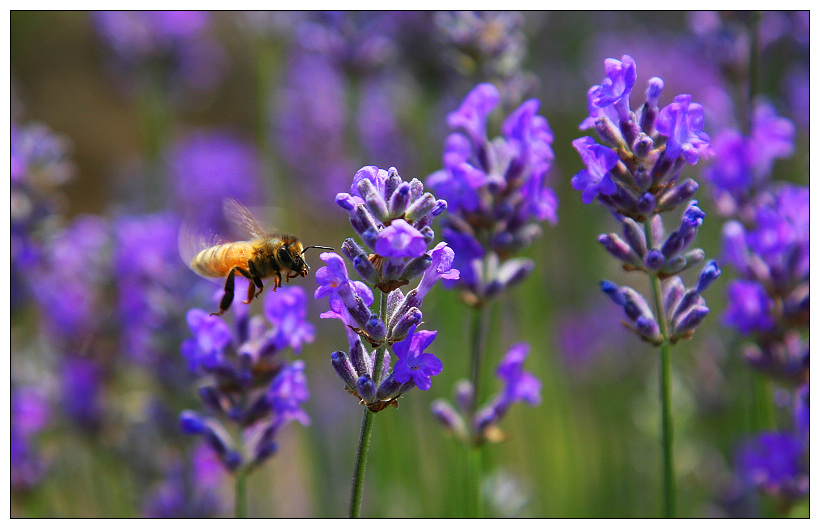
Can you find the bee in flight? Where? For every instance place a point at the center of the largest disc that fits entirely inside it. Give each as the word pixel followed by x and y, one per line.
pixel 265 255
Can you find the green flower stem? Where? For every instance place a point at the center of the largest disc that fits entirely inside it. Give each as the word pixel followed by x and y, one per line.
pixel 474 474
pixel 241 505
pixel 669 493
pixel 366 428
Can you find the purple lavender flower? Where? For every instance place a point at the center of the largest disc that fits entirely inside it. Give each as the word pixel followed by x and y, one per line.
pixel 743 164
pixel 190 490
pixel 393 219
pixel 774 463
pixel 596 177
pixel 518 386
pixel 749 308
pixel 81 399
pixel 253 386
pixel 29 416
pixel 496 191
pixel 414 364
pixel 206 167
pixel 169 47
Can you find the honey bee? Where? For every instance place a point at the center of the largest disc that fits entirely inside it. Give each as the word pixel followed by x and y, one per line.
pixel 266 255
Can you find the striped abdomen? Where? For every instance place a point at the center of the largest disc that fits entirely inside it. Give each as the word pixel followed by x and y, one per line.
pixel 217 261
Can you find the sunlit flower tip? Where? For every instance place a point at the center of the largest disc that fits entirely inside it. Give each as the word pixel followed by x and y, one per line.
pixel 619 249
pixel 413 363
pixel 344 368
pixel 191 422
pixel 708 275
pixel 366 389
pixel 735 248
pixel 448 417
pixel 375 328
pixel 399 240
pixel 653 91
pixel 423 206
pixel 613 291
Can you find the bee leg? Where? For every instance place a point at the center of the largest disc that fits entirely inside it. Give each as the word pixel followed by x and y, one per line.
pixel 277 281
pixel 227 299
pixel 289 276
pixel 254 277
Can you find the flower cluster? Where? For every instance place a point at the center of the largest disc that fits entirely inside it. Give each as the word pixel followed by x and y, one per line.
pixel 770 301
pixel 495 190
pixel 743 164
pixel 171 48
pixel 393 218
pixel 636 175
pixel 251 385
pixel 487 45
pixel 28 418
pixel 519 386
pixel 39 166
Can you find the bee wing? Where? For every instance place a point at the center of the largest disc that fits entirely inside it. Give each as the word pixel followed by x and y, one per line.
pixel 191 241
pixel 242 219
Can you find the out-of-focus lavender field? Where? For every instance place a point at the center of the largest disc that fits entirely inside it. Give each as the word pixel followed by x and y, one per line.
pixel 610 318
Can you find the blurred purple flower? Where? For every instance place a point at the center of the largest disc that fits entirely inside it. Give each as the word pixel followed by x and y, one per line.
pixel 774 462
pixel 81 392
pixel 168 47
pixel 29 415
pixel 519 385
pixel 208 166
pixel 190 490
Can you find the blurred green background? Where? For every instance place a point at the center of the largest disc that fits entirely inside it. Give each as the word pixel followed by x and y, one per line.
pixel 590 449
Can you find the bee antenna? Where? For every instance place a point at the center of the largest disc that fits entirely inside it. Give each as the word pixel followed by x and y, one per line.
pixel 319 247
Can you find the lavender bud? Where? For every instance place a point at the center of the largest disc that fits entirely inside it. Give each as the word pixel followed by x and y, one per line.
pixel 694 258
pixel 452 421
pixel 416 267
pixel 689 299
pixel 655 260
pixel 687 321
pixel 677 195
pixel 410 318
pixel 360 359
pixel 344 368
pixel 390 388
pixel 648 327
pixel 618 248
pixel 416 189
pixel 392 183
pixel 264 451
pixel 675 290
pixel 400 200
pixel 210 397
pixel 514 271
pixel 656 230
pixel 464 395
pixel 642 147
pixel 191 422
pixel 365 268
pixel 375 328
pixel 427 233
pixel 345 201
pixel 672 245
pixel 366 388
pixel 362 221
pixel 653 91
pixel 440 207
pixel 484 418
pixel 377 205
pixel 646 203
pixel 614 292
pixel 635 236
pixel 351 249
pixel 420 208
pixel 394 301
pixel 636 305
pixel 365 187
pixel 609 132
pixel 642 178
pixel 674 265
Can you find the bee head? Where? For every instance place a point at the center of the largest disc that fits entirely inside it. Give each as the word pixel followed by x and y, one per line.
pixel 290 256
